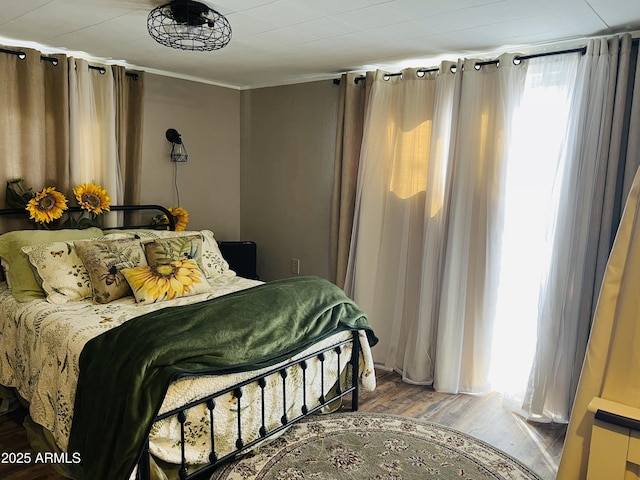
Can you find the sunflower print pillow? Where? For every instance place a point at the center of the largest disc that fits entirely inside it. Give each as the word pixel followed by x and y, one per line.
pixel 105 260
pixel 163 250
pixel 166 280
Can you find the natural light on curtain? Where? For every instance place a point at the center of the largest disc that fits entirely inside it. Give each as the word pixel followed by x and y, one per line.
pixel 411 164
pixel 537 154
pixel 93 151
pixel 411 158
pixel 401 191
pixel 471 195
pixel 467 305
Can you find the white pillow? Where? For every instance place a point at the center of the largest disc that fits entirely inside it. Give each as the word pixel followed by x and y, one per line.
pixel 62 272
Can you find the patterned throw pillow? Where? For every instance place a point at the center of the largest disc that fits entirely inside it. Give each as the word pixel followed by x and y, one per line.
pixel 166 280
pixel 212 260
pixel 20 275
pixel 63 275
pixel 64 278
pixel 213 263
pixel 176 248
pixel 105 260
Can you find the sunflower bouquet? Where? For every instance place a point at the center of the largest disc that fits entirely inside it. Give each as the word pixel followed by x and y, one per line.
pixel 180 219
pixel 49 204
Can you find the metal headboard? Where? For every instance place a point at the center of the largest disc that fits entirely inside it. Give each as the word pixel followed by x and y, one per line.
pixel 20 212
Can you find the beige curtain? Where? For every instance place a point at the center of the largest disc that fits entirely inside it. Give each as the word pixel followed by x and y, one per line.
pixel 354 92
pixel 610 367
pixel 618 163
pixel 129 94
pixel 34 120
pixel 64 123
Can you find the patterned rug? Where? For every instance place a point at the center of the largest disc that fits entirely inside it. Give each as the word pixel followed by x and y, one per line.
pixel 351 446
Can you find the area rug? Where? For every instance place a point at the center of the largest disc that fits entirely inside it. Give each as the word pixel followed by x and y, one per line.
pixel 370 446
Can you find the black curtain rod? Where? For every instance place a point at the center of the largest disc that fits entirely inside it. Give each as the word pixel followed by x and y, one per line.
pixel 54 61
pixel 336 81
pixel 397 74
pixel 517 58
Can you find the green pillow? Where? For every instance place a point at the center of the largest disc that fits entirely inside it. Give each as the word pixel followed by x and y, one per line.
pixel 24 284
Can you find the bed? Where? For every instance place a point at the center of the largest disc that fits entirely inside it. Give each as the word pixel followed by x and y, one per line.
pixel 213 365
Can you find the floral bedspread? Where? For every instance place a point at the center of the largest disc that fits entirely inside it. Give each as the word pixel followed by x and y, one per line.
pixel 41 343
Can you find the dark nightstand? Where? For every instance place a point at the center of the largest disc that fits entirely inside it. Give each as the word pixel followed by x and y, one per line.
pixel 241 257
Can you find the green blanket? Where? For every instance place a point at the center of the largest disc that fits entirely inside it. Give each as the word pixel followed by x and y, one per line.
pixel 125 372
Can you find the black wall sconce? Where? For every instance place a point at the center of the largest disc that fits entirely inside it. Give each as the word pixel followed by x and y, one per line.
pixel 178 151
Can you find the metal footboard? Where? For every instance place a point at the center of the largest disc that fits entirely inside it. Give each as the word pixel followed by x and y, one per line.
pixel 264 432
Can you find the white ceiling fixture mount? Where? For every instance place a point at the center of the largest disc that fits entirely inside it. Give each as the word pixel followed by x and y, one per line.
pixel 189 25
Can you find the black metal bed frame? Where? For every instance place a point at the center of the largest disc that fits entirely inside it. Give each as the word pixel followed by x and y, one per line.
pixel 144 463
pixel 144 469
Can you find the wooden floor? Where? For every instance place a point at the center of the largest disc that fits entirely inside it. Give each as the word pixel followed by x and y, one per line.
pixel 536 445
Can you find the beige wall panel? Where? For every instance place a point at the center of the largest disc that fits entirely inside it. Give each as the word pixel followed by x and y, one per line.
pixel 208 118
pixel 288 143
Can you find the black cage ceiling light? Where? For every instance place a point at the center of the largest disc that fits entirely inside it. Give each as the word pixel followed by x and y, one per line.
pixel 189 25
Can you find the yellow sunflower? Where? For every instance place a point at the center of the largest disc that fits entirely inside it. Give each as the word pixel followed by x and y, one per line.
pixel 47 205
pixel 92 198
pixel 180 217
pixel 164 281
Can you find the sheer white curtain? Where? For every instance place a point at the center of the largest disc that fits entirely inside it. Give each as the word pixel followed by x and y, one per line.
pixel 549 393
pixel 475 192
pixel 397 242
pixel 93 149
pixel 426 305
pixel 539 204
pixel 489 94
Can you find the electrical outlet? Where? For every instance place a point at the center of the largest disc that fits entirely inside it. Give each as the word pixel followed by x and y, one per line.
pixel 295 266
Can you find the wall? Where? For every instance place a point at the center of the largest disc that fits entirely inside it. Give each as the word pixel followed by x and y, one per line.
pixel 208 118
pixel 287 157
pixel 260 165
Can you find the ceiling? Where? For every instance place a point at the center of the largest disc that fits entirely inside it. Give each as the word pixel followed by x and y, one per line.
pixel 288 41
